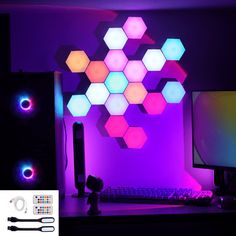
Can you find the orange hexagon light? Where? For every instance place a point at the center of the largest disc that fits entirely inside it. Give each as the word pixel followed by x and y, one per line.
pixel 77 61
pixel 135 93
pixel 97 71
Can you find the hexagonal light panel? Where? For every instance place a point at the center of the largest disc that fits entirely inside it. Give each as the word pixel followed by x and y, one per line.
pixel 115 38
pixel 135 71
pixel 77 61
pixel 79 105
pixel 97 71
pixel 173 49
pixel 116 60
pixel 173 92
pixel 135 137
pixel 135 93
pixel 97 93
pixel 154 103
pixel 116 82
pixel 116 126
pixel 134 27
pixel 116 104
pixel 154 60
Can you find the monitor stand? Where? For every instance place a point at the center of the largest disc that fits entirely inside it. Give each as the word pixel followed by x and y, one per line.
pixel 219 181
pixel 225 182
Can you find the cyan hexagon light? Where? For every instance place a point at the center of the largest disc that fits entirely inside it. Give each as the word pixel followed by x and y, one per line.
pixel 78 105
pixel 116 82
pixel 173 92
pixel 173 49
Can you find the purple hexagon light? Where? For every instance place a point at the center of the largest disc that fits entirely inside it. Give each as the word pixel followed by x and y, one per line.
pixel 135 71
pixel 116 60
pixel 134 27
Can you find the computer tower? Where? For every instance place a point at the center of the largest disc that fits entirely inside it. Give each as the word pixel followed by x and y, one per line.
pixel 5 53
pixel 31 132
pixel 79 158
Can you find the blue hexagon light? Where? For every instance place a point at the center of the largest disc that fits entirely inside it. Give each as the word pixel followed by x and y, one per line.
pixel 78 105
pixel 116 82
pixel 154 60
pixel 173 92
pixel 173 49
pixel 115 38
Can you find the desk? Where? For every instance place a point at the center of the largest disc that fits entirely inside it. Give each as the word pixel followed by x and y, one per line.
pixel 130 219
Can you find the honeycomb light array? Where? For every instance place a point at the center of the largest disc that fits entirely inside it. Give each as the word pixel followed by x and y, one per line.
pixel 116 81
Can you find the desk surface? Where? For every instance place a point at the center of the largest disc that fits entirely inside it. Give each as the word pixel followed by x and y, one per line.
pixel 145 219
pixel 77 207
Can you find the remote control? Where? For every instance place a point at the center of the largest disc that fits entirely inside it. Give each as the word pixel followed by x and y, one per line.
pixel 43 199
pixel 42 210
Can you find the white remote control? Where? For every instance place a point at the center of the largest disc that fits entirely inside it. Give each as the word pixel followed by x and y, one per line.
pixel 43 199
pixel 43 210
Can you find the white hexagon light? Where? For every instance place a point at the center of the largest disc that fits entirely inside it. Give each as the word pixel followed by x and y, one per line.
pixel 79 105
pixel 97 93
pixel 115 38
pixel 116 104
pixel 154 60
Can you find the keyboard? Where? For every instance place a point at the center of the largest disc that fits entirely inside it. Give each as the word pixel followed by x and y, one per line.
pixel 157 195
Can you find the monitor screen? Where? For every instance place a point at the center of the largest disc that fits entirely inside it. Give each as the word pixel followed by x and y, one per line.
pixel 214 129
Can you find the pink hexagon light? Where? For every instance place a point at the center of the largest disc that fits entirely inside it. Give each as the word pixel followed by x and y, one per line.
pixel 116 126
pixel 154 103
pixel 97 71
pixel 135 71
pixel 135 93
pixel 134 27
pixel 116 60
pixel 135 137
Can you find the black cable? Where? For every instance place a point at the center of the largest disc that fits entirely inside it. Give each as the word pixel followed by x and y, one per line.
pixel 42 229
pixel 41 220
pixel 65 132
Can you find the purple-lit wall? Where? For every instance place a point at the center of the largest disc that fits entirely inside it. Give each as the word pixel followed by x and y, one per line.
pixel 40 39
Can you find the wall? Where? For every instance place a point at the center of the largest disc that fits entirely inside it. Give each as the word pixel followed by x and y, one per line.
pixel 41 39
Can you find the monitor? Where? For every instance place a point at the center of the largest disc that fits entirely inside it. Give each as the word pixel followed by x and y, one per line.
pixel 214 129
